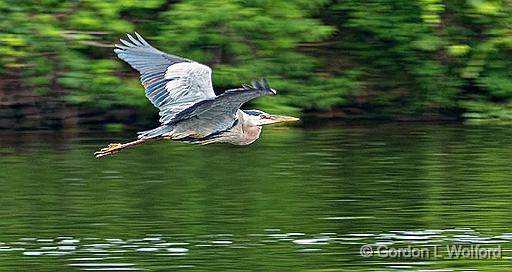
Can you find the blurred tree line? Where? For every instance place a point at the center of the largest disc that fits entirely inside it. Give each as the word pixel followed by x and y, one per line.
pixel 379 57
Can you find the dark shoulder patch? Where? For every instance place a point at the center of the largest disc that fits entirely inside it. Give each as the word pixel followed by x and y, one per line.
pixel 253 112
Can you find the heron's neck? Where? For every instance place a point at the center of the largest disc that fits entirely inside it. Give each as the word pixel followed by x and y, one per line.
pixel 244 132
pixel 247 120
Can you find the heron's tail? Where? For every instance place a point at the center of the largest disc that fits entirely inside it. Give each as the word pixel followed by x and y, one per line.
pixel 114 148
pixel 154 133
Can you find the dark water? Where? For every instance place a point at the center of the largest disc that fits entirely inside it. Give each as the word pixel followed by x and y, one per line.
pixel 297 200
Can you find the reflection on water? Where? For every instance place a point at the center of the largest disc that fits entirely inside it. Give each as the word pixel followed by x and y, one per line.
pixel 298 199
pixel 113 253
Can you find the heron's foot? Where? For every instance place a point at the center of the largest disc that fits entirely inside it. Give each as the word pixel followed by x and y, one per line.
pixel 110 149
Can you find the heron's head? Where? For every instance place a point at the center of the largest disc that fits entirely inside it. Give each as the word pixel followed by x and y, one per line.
pixel 262 118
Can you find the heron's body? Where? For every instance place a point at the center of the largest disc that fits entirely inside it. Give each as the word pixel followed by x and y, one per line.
pixel 244 131
pixel 189 109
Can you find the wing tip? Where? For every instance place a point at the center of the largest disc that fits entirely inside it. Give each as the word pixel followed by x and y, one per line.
pixel 137 42
pixel 262 85
pixel 133 42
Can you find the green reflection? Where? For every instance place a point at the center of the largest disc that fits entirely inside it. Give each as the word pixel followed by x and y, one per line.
pixel 233 206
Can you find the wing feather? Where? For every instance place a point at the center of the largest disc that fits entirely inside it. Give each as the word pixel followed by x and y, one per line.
pixel 171 83
pixel 219 113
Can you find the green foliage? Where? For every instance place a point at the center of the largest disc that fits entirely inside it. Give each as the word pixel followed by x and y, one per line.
pixel 429 54
pixel 397 46
pixel 65 47
pixel 397 57
pixel 252 39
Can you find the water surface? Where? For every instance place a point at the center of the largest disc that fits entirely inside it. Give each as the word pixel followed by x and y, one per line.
pixel 299 199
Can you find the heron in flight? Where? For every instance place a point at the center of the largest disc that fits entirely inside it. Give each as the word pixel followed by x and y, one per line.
pixel 189 110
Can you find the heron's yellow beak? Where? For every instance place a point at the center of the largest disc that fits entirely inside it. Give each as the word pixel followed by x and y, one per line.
pixel 281 118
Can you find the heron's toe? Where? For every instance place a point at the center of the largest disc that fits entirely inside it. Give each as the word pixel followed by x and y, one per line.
pixel 111 147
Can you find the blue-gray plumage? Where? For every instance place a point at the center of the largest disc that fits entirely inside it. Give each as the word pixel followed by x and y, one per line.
pixel 189 110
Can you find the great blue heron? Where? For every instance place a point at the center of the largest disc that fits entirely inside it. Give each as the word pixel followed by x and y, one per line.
pixel 189 109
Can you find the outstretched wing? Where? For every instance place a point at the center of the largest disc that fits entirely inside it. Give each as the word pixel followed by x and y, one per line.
pixel 231 100
pixel 219 113
pixel 172 83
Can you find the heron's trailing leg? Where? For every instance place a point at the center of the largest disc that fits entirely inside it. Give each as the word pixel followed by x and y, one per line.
pixel 114 148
